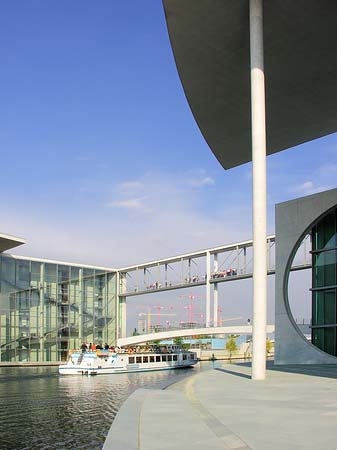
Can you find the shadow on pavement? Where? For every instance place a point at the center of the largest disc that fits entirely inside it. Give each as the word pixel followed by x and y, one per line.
pixel 232 372
pixel 317 370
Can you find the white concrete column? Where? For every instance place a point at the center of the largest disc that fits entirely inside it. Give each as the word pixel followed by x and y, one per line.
pixel 215 303
pixel 208 289
pixel 259 190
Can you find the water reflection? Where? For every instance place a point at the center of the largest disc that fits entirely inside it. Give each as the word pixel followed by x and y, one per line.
pixel 41 410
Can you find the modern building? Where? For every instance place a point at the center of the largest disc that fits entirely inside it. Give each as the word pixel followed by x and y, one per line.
pixel 315 215
pixel 260 77
pixel 48 307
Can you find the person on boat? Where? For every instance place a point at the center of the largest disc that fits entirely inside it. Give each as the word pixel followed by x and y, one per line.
pixel 106 347
pixel 93 347
pixel 84 347
pixel 90 347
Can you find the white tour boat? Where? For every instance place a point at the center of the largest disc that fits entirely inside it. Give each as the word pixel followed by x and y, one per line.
pixel 107 362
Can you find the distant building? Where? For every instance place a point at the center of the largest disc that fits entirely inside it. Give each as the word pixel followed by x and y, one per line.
pixel 48 308
pixel 142 326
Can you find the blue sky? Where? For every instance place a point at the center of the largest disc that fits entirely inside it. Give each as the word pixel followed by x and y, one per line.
pixel 102 162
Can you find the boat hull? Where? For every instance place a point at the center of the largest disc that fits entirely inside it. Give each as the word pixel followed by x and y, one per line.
pixel 90 363
pixel 108 371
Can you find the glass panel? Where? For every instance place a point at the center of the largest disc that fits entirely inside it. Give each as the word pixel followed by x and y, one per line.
pixel 22 274
pixel 325 232
pixel 138 359
pixel 329 340
pixel 318 337
pixel 131 359
pixel 324 269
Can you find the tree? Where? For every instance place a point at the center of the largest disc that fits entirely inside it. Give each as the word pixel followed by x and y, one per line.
pixel 269 346
pixel 231 345
pixel 178 341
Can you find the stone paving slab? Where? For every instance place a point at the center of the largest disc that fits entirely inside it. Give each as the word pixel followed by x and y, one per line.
pixel 223 409
pixel 287 411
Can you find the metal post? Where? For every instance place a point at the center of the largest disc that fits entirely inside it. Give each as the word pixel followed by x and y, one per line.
pixel 80 302
pixel 122 304
pixel 41 315
pixel 118 334
pixel 237 261
pixel 208 289
pixel 215 305
pixel 259 190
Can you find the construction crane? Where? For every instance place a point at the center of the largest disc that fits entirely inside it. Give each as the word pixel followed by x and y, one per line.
pixel 221 321
pixel 190 306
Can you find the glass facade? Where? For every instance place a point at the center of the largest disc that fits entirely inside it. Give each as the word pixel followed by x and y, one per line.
pixel 324 278
pixel 46 309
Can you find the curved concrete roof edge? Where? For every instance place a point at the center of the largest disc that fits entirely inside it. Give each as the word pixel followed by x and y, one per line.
pixel 210 43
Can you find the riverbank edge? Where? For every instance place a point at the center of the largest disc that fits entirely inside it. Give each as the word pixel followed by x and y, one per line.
pixel 30 364
pixel 124 433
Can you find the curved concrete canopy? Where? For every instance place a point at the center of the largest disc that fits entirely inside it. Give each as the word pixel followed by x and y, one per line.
pixel 210 41
pixel 7 242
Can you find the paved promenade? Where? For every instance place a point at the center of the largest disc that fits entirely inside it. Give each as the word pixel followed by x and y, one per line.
pixel 295 408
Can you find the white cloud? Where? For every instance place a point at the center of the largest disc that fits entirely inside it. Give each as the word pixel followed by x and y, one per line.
pixel 166 220
pixel 131 203
pixel 131 186
pixel 308 188
pixel 205 181
pixel 328 169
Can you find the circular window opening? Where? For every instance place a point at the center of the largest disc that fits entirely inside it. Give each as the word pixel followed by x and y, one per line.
pixel 312 293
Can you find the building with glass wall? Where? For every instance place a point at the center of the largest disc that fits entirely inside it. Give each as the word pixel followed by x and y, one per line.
pixel 324 319
pixel 316 216
pixel 48 308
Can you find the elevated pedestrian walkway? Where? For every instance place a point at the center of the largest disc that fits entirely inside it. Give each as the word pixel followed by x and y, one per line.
pixel 295 408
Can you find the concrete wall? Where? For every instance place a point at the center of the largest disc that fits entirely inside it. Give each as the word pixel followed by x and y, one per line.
pixel 293 220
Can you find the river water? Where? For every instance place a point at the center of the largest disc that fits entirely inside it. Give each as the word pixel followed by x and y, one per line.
pixel 41 410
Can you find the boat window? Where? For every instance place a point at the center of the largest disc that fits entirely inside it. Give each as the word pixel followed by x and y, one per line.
pixel 131 359
pixel 151 358
pixel 169 357
pixel 164 358
pixel 184 356
pixel 175 357
pixel 138 359
pixel 145 359
pixel 157 358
